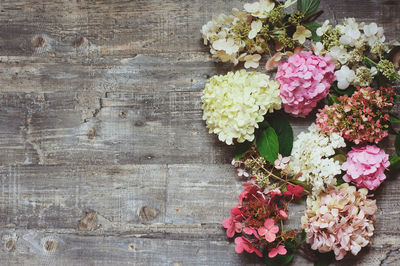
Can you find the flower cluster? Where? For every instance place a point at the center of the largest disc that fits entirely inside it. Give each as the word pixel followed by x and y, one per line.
pixel 311 156
pixel 256 217
pixel 305 80
pixel 363 117
pixel 233 104
pixel 365 167
pixel 261 27
pixel 350 44
pixel 346 61
pixel 341 220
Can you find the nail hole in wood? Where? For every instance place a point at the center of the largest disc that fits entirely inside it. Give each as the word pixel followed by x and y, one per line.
pixel 123 114
pixel 132 247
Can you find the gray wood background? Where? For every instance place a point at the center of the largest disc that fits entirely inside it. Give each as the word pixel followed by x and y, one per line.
pixel 104 157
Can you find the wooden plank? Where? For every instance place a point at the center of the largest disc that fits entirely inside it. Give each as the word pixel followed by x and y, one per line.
pixel 127 128
pixel 60 196
pixel 40 247
pixel 105 159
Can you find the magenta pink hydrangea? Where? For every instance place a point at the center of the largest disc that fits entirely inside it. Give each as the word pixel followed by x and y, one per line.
pixel 305 79
pixel 365 167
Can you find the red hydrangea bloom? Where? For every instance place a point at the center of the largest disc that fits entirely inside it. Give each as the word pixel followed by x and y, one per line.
pixel 363 117
pixel 243 243
pixel 255 217
pixel 294 191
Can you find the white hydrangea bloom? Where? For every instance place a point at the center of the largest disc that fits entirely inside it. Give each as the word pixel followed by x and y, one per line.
pixel 318 48
pixel 260 9
pixel 321 30
pixel 340 54
pixel 252 61
pixel 310 156
pixel 233 104
pixel 345 76
pixel 210 29
pixel 227 45
pixel 255 28
pixel 351 32
pixel 373 34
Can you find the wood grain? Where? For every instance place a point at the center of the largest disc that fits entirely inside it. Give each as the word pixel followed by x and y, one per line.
pixel 105 159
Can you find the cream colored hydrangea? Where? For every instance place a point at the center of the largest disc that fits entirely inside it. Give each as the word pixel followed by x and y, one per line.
pixel 311 156
pixel 233 104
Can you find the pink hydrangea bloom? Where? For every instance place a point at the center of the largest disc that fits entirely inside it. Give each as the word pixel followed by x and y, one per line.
pixel 243 243
pixel 281 250
pixel 341 219
pixel 305 80
pixel 232 226
pixel 269 230
pixel 366 167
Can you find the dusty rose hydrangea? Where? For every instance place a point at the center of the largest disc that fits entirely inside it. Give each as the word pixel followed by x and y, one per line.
pixel 365 167
pixel 305 79
pixel 363 117
pixel 340 219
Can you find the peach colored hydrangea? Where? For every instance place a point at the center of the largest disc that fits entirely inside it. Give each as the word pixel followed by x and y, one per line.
pixel 305 80
pixel 366 167
pixel 340 219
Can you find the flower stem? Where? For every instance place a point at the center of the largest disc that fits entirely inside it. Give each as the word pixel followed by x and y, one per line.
pixel 275 176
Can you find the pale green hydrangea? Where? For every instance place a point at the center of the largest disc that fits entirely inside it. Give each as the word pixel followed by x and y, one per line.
pixel 233 104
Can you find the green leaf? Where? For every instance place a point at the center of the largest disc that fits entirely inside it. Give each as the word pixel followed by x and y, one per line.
pixel 303 236
pixel 268 144
pixel 393 118
pixel 263 124
pixel 313 26
pixel 339 181
pixel 284 132
pixel 308 7
pixel 368 62
pixel 341 158
pixel 349 91
pixel 332 99
pixel 394 162
pixel 241 149
pixel 397 144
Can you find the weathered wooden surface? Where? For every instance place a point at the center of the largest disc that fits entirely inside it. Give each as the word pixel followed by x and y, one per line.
pixel 104 157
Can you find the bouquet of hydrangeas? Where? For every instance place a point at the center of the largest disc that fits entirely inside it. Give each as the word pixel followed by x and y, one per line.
pixel 337 164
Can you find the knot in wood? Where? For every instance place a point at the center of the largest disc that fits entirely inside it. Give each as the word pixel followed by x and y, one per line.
pixel 79 41
pixel 10 244
pixel 89 222
pixel 91 133
pixel 50 245
pixel 38 42
pixel 147 213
